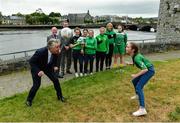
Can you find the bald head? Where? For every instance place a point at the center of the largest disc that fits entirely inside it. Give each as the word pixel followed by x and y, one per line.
pixel 54 30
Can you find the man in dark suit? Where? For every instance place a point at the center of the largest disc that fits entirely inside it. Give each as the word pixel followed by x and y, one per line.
pixel 44 62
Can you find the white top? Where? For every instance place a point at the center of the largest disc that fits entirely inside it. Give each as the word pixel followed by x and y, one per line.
pixel 49 56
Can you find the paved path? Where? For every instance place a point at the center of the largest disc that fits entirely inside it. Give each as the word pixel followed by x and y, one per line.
pixel 18 82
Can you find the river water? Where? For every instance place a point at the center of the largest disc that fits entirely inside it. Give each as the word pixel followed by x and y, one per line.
pixel 20 40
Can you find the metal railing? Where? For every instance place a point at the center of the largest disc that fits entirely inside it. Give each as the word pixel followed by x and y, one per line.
pixel 143 40
pixel 14 55
pixel 25 53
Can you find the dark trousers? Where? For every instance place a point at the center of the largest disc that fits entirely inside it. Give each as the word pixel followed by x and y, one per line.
pixel 88 58
pixel 139 83
pixel 109 55
pixel 100 56
pixel 37 83
pixel 65 58
pixel 77 56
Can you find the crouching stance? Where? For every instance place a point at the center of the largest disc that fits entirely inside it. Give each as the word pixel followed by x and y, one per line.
pixel 141 78
pixel 44 62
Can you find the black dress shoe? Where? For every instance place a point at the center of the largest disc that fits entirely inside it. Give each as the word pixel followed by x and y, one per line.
pixel 28 103
pixel 62 99
pixel 69 72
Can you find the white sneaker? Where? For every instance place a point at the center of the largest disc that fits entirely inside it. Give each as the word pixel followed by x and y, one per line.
pixel 140 112
pixel 134 97
pixel 85 74
pixel 91 73
pixel 81 74
pixel 76 75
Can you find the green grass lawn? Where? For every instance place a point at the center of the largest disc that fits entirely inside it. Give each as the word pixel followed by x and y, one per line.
pixel 104 96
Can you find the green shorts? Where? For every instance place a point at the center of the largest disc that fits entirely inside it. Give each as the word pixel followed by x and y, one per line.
pixel 120 49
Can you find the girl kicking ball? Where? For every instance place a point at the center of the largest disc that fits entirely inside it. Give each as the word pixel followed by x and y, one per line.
pixel 141 78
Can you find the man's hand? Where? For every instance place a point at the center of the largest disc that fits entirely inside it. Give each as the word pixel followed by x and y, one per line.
pixel 133 76
pixel 66 47
pixel 56 68
pixel 41 73
pixel 82 51
pixel 59 51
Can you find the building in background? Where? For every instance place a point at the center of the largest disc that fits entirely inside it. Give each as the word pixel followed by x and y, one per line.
pixel 13 20
pixel 80 18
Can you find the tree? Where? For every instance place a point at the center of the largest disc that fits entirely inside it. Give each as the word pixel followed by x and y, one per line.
pixel 29 19
pixel 139 20
pixel 0 18
pixel 0 14
pixel 37 18
pixel 53 14
pixel 18 14
pixel 42 18
pixel 151 20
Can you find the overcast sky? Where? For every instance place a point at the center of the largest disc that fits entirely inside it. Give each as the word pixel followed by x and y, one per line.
pixel 132 8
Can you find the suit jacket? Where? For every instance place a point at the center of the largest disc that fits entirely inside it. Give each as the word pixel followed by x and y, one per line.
pixel 39 61
pixel 52 36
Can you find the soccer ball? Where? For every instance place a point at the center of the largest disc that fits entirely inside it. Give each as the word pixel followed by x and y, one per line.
pixel 66 32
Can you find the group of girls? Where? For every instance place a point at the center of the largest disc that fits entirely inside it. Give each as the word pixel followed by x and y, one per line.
pixel 86 47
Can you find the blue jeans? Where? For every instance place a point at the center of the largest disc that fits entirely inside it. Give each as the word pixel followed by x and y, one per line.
pixel 139 83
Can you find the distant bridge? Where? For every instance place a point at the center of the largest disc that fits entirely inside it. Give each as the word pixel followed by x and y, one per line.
pixel 141 27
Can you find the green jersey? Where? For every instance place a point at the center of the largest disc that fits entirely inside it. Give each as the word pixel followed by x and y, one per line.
pixel 111 36
pixel 120 40
pixel 102 43
pixel 90 45
pixel 75 41
pixel 141 62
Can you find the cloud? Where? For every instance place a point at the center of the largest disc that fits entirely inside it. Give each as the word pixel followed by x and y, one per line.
pixel 98 7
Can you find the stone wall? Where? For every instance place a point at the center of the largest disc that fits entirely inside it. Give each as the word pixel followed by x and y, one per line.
pixel 158 47
pixel 168 28
pixel 14 65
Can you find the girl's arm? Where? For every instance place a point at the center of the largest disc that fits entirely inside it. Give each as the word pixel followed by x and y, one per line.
pixel 73 45
pixel 140 73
